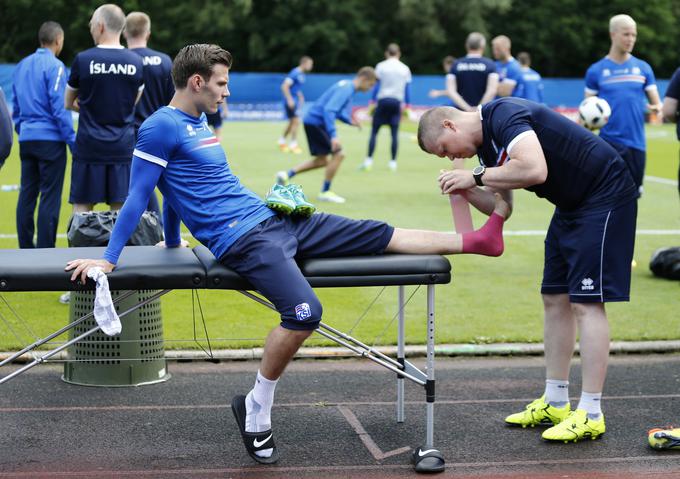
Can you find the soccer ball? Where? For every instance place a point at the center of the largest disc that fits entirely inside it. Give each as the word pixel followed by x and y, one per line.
pixel 594 112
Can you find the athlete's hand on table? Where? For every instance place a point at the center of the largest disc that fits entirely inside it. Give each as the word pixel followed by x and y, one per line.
pixel 80 267
pixel 452 180
pixel 182 244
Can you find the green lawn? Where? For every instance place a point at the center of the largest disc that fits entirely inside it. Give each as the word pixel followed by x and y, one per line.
pixel 489 300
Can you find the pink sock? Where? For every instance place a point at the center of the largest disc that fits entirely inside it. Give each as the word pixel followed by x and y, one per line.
pixel 487 240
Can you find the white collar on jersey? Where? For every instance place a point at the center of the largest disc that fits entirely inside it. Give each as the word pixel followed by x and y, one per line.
pixel 111 47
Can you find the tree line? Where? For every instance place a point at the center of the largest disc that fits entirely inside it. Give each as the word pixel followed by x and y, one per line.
pixel 563 37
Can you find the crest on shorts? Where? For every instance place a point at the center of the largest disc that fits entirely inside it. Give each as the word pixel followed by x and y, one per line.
pixel 303 311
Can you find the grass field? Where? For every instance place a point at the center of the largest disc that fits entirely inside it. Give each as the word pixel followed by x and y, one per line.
pixel 489 300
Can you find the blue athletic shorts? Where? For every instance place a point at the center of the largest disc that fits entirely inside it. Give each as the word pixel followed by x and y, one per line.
pixel 99 182
pixel 589 254
pixel 266 256
pixel 635 160
pixel 290 112
pixel 387 112
pixel 318 139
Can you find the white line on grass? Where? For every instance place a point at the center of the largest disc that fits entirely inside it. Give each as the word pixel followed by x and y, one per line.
pixel 663 181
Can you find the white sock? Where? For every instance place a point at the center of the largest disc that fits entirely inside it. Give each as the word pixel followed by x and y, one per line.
pixel 556 392
pixel 393 165
pixel 368 161
pixel 282 140
pixel 259 403
pixel 590 402
pixel 293 144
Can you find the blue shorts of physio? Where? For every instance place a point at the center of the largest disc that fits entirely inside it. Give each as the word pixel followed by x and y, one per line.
pixel 318 139
pixel 93 183
pixel 266 256
pixel 588 254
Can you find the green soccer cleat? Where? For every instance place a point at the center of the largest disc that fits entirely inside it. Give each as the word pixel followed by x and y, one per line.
pixel 664 438
pixel 538 413
pixel 280 200
pixel 302 206
pixel 575 427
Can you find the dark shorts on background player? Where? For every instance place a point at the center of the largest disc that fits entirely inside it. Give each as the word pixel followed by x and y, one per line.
pixel 635 160
pixel 588 254
pixel 99 182
pixel 290 112
pixel 266 256
pixel 318 139
pixel 387 112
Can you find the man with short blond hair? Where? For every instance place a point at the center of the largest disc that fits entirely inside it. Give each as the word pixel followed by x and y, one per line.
pixel 626 82
pixel 105 83
pixel 509 72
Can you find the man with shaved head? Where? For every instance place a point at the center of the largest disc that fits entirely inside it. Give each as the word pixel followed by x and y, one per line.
pixel 509 70
pixel 588 247
pixel 105 83
pixel 627 83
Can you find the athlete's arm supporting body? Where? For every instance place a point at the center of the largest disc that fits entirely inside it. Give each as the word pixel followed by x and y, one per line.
pixel 143 179
pixel 526 167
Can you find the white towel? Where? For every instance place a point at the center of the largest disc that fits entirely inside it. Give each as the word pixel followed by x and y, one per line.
pixel 104 312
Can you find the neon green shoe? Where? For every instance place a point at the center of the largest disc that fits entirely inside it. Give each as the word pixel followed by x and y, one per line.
pixel 302 206
pixel 280 200
pixel 576 426
pixel 664 438
pixel 538 413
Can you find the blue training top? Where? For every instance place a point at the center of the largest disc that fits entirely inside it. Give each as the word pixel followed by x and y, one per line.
pixel 531 87
pixel 510 71
pixel 38 106
pixel 108 80
pixel 158 86
pixel 583 170
pixel 297 79
pixel 181 154
pixel 472 73
pixel 336 102
pixel 623 86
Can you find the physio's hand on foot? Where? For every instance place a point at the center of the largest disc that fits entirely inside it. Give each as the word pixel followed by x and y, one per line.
pixel 452 180
pixel 80 267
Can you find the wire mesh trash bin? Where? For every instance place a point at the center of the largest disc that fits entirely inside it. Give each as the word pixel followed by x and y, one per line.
pixel 137 355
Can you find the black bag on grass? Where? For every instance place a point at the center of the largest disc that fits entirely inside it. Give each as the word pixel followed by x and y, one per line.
pixel 94 229
pixel 665 263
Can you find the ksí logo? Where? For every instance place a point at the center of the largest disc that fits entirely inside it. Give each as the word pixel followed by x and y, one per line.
pixel 303 311
pixel 587 284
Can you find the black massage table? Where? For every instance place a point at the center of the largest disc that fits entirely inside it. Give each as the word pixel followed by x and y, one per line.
pixel 148 267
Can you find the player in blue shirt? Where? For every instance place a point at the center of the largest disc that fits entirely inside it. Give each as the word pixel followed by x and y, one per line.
pixel 626 82
pixel 44 128
pixel 293 99
pixel 589 245
pixel 322 137
pixel 531 86
pixel 509 71
pixel 158 87
pixel 472 80
pixel 105 83
pixel 177 151
pixel 670 107
pixel 6 134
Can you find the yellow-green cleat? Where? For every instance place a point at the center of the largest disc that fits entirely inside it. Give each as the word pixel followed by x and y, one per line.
pixel 280 200
pixel 576 427
pixel 302 206
pixel 664 438
pixel 538 413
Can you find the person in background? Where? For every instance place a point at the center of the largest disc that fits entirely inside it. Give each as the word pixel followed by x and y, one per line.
pixel 531 86
pixel 6 134
pixel 447 63
pixel 509 72
pixel 293 99
pixel 670 107
pixel 472 80
pixel 392 92
pixel 45 128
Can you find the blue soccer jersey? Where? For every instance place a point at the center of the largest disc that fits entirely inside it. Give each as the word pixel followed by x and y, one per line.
pixel 472 73
pixel 531 87
pixel 336 102
pixel 296 78
pixel 108 80
pixel 623 86
pixel 197 182
pixel 583 170
pixel 158 87
pixel 510 72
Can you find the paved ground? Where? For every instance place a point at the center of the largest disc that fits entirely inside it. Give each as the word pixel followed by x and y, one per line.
pixel 333 419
